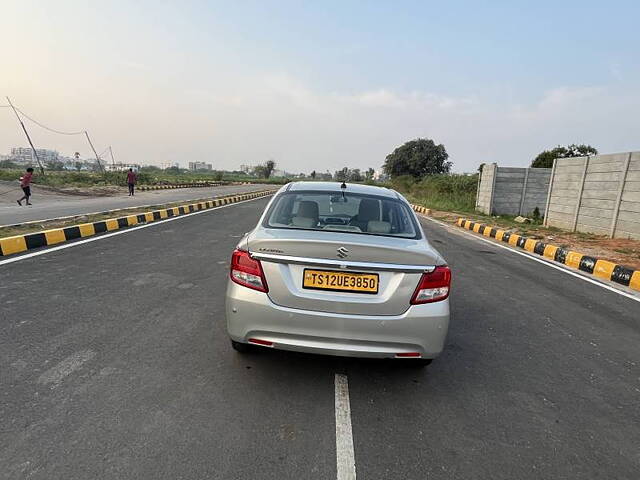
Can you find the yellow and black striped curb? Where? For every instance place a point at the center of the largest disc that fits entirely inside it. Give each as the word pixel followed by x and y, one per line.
pixel 143 188
pixel 22 243
pixel 600 268
pixel 421 209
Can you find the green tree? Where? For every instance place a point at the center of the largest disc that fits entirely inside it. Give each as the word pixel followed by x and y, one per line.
pixel 313 175
pixel 341 175
pixel 418 158
pixel 355 175
pixel 8 164
pixel 269 167
pixel 545 158
pixel 55 165
pixel 259 171
pixel 368 175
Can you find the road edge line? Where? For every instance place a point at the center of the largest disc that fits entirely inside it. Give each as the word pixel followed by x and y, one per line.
pixel 597 267
pixel 543 261
pixel 45 238
pixel 117 232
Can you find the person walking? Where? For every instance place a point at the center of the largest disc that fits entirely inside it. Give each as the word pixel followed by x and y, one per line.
pixel 132 178
pixel 25 183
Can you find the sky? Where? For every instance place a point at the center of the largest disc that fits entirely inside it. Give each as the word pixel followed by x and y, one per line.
pixel 321 85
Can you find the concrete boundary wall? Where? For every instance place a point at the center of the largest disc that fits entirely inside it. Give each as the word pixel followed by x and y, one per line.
pixel 512 190
pixel 598 194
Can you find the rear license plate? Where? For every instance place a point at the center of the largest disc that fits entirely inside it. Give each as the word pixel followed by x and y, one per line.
pixel 340 281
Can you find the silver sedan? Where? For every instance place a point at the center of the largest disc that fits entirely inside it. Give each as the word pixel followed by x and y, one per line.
pixel 339 269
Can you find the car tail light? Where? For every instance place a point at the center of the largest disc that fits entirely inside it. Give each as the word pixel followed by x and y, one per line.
pixel 247 271
pixel 433 287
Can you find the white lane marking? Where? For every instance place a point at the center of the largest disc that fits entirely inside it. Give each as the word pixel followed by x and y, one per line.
pixel 118 232
pixel 345 458
pixel 67 366
pixel 539 260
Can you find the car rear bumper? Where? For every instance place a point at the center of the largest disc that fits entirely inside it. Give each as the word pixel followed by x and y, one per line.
pixel 251 314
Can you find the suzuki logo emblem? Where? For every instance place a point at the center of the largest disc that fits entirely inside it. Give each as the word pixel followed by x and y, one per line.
pixel 342 252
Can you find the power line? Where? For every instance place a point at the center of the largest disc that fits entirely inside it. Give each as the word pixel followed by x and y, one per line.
pixel 48 128
pixel 82 132
pixel 103 152
pixel 24 129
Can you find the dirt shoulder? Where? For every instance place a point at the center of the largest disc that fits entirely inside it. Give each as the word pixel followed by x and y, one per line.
pixel 10 189
pixel 618 250
pixel 89 191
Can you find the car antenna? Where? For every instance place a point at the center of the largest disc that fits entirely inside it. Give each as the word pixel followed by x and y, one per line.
pixel 343 187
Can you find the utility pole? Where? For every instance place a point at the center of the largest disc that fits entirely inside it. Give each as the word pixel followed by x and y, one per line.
pixel 113 160
pixel 24 129
pixel 94 151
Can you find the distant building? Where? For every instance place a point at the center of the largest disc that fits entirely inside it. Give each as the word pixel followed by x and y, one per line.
pixel 24 156
pixel 76 164
pixel 121 167
pixel 200 166
pixel 165 165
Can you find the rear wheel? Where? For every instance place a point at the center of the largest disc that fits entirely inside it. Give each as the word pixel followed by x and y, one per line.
pixel 240 347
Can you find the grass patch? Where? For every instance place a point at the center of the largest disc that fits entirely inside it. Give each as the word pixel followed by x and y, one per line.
pixel 453 193
pixel 153 177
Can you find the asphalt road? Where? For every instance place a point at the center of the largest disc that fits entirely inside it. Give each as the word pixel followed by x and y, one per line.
pixel 115 364
pixel 50 205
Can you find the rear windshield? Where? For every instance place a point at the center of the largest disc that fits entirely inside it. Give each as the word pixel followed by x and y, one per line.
pixel 338 212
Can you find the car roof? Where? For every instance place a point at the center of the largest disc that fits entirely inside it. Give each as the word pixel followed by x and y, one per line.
pixel 335 187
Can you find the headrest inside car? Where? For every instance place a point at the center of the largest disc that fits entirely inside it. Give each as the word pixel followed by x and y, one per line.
pixel 374 226
pixel 304 222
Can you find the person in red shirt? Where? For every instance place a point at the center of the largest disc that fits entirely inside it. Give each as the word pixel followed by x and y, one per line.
pixel 25 183
pixel 132 178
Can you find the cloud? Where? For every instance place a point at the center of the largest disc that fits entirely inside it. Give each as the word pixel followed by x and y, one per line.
pixel 233 120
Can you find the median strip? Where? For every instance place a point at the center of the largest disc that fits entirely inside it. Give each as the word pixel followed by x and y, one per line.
pixel 600 268
pixel 22 243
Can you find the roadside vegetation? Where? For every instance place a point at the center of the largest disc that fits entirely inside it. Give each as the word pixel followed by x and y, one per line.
pixel 450 192
pixel 146 176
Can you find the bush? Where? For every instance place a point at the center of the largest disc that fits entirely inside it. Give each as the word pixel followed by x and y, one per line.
pixel 441 192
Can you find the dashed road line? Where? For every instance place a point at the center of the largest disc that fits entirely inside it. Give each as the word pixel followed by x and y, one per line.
pixel 56 374
pixel 345 458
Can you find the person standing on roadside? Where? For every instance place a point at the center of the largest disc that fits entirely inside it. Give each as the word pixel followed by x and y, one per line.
pixel 132 178
pixel 25 183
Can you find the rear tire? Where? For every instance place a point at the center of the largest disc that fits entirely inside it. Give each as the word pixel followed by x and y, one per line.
pixel 240 347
